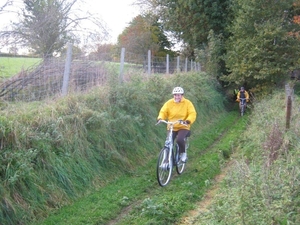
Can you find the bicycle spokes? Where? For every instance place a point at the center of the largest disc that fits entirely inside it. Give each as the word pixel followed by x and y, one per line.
pixel 164 167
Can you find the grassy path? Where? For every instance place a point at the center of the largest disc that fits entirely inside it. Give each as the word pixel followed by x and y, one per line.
pixel 229 136
pixel 136 198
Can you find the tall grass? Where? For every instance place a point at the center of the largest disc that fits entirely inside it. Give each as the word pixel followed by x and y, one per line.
pixel 54 152
pixel 263 185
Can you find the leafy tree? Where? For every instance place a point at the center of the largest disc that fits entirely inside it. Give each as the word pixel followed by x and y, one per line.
pixel 47 25
pixel 261 50
pixel 105 52
pixel 191 20
pixel 48 21
pixel 296 18
pixel 145 34
pixel 211 55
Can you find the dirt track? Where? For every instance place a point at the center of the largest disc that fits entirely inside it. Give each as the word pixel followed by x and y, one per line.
pixel 191 217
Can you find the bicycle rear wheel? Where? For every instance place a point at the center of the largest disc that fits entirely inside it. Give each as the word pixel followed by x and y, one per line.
pixel 179 164
pixel 164 167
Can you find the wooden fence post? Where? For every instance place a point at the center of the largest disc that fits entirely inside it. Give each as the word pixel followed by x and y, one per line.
pixel 288 112
pixel 289 93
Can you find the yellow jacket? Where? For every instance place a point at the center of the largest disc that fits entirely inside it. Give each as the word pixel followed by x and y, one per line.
pixel 183 110
pixel 239 94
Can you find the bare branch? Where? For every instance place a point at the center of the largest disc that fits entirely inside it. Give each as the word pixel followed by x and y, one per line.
pixel 5 5
pixel 46 28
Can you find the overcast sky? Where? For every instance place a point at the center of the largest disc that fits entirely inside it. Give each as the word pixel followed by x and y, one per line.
pixel 115 13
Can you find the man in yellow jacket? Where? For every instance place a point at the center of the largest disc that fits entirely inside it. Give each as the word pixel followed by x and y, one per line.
pixel 244 95
pixel 179 108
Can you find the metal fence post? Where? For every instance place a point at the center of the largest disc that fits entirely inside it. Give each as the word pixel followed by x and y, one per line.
pixel 167 66
pixel 149 62
pixel 122 60
pixel 178 65
pixel 67 70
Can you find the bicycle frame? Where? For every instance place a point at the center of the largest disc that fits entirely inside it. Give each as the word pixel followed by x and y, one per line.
pixel 242 105
pixel 164 170
pixel 169 141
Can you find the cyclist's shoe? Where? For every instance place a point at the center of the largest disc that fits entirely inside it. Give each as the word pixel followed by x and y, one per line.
pixel 183 157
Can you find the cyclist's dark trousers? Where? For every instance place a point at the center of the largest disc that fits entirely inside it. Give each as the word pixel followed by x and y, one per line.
pixel 181 134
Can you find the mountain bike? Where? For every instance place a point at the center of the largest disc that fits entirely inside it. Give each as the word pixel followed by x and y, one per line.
pixel 169 156
pixel 242 106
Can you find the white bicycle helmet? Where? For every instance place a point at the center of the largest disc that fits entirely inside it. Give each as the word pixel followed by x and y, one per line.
pixel 178 90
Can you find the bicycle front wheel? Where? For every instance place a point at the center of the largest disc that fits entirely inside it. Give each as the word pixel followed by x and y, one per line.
pixel 242 110
pixel 164 167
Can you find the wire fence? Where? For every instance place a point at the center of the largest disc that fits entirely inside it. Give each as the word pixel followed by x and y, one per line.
pixel 58 76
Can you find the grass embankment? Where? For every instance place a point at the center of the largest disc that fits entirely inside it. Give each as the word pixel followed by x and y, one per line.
pixel 56 152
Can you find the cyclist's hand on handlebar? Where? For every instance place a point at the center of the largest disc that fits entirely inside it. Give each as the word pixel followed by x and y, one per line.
pixel 185 122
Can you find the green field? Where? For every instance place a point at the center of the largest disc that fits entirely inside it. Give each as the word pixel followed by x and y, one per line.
pixel 9 66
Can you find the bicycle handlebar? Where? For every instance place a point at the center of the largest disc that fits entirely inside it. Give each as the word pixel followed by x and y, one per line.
pixel 171 122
